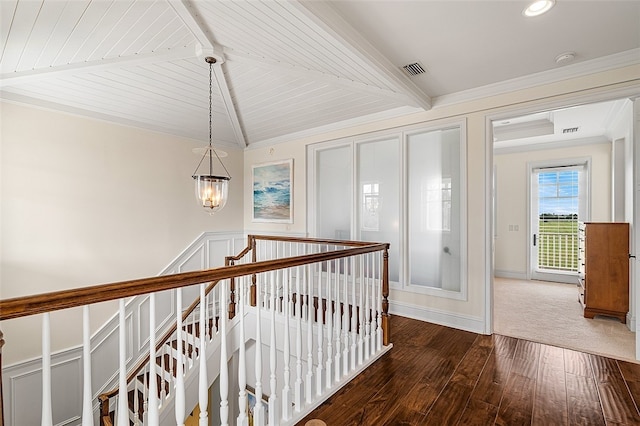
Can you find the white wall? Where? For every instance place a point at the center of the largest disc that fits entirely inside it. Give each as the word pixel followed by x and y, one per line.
pixel 470 313
pixel 87 202
pixel 512 196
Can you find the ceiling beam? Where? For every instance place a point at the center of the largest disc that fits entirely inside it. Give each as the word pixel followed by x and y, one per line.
pixel 188 15
pixel 334 80
pixel 22 77
pixel 327 18
pixel 221 81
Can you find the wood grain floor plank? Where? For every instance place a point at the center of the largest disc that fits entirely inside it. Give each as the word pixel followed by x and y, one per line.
pixel 631 375
pixel 577 363
pixel 526 359
pixel 451 403
pixel 516 406
pixel 617 403
pixel 505 346
pixel 478 413
pixel 437 375
pixel 550 401
pixel 583 402
pixel 493 379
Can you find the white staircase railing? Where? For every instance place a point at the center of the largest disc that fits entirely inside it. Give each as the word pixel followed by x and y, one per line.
pixel 325 299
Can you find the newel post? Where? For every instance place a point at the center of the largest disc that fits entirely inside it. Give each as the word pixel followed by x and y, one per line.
pixel 228 261
pixel 386 332
pixel 254 257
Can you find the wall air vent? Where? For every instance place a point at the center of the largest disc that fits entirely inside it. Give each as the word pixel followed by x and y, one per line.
pixel 570 130
pixel 414 69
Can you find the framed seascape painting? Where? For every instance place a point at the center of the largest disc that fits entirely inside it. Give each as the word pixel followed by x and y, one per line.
pixel 272 192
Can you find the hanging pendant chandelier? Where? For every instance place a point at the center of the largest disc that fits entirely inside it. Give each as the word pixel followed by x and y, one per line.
pixel 212 191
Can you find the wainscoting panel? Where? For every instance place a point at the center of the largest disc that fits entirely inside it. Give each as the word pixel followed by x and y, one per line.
pixel 217 247
pixel 104 357
pixel 22 382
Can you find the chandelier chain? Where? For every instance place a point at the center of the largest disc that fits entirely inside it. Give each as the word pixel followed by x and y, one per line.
pixel 210 125
pixel 211 119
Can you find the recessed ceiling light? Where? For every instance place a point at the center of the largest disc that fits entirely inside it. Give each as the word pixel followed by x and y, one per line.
pixel 538 7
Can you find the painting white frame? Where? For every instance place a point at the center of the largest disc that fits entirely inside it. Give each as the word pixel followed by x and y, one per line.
pixel 272 192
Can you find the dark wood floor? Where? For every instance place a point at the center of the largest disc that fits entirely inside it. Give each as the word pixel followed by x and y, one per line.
pixel 436 375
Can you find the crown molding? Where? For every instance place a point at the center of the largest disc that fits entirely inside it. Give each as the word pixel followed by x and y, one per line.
pixel 605 63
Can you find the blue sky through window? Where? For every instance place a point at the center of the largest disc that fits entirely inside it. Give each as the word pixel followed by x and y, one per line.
pixel 558 192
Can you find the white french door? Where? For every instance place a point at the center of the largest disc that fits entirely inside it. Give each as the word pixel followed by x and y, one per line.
pixel 559 200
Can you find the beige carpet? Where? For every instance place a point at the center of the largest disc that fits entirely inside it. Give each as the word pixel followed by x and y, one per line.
pixel 549 313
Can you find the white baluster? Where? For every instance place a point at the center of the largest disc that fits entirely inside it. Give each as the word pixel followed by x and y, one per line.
pixel 258 409
pixel 163 372
pixel 47 416
pixel 243 420
pixel 286 306
pixel 152 404
pixel 87 409
pixel 361 312
pixel 320 326
pixel 329 320
pixel 379 302
pixel 203 385
pixel 367 323
pixel 374 300
pixel 354 312
pixel 136 402
pixel 308 280
pixel 337 322
pixel 224 368
pixel 145 393
pixel 180 395
pixel 345 319
pixel 273 398
pixel 297 387
pixel 123 409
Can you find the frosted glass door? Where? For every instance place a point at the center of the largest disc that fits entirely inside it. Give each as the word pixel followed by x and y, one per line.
pixel 434 200
pixel 334 191
pixel 378 208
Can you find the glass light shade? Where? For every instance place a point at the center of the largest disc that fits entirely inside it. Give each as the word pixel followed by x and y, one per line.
pixel 212 192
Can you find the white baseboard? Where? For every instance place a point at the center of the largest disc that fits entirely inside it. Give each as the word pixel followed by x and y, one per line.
pixel 510 274
pixel 448 319
pixel 631 322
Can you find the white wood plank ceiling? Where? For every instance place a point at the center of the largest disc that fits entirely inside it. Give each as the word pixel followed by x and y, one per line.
pixel 280 70
pixel 285 69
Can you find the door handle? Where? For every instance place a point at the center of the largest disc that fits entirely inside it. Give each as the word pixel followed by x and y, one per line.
pixel 534 239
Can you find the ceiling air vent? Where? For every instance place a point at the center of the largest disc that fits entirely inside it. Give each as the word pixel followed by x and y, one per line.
pixel 414 69
pixel 570 130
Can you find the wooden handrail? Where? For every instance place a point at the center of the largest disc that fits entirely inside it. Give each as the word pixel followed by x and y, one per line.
pixel 244 251
pixel 53 301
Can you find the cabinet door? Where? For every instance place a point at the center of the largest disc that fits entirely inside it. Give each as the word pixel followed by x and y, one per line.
pixel 607 266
